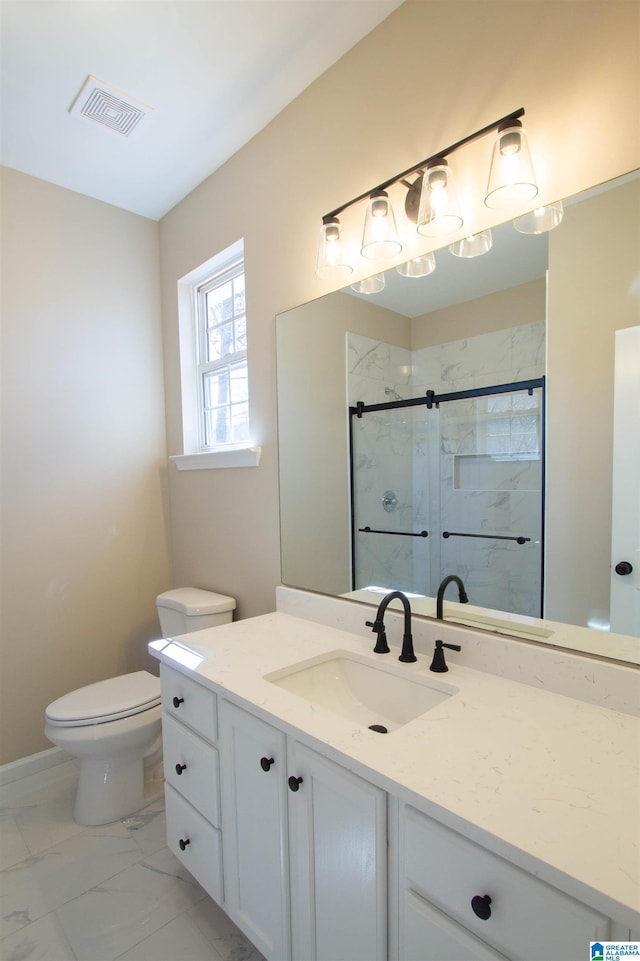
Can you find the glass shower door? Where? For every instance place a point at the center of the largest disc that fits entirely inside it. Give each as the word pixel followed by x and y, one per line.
pixel 389 510
pixel 489 499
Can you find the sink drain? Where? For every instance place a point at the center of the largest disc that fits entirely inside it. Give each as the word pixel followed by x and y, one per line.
pixel 378 728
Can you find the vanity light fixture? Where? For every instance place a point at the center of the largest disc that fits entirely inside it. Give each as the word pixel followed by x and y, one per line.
pixel 511 177
pixel 439 208
pixel 473 246
pixel 330 261
pixel 431 202
pixel 380 237
pixel 418 266
pixel 370 285
pixel 540 220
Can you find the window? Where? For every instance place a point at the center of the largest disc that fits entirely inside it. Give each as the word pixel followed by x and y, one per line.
pixel 222 360
pixel 213 364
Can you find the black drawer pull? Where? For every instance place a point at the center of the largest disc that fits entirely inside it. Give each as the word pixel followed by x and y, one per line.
pixel 480 905
pixel 294 783
pixel 177 701
pixel 266 762
pixel 182 844
pixel 180 768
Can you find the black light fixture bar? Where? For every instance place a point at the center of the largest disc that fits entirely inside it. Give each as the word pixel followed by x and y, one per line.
pixel 420 167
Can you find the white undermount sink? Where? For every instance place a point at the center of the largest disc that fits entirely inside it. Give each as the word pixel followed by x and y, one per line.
pixel 362 691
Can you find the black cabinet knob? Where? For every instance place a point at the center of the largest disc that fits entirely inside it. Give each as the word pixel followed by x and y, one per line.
pixel 182 844
pixel 480 905
pixel 294 783
pixel 180 768
pixel 177 701
pixel 266 762
pixel 623 567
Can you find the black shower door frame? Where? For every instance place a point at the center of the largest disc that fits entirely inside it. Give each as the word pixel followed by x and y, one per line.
pixel 430 400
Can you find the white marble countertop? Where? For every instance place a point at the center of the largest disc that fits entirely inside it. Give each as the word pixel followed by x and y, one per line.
pixel 549 782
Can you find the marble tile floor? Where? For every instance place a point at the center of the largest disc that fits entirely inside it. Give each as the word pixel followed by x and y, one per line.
pixel 72 893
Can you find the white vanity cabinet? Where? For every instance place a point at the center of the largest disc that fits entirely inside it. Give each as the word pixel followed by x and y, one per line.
pixel 314 862
pixel 305 847
pixel 192 780
pixel 460 902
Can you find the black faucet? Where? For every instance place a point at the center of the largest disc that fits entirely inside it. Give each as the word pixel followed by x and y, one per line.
pixel 462 594
pixel 377 627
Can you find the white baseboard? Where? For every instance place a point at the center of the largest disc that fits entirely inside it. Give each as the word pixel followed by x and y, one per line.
pixel 33 764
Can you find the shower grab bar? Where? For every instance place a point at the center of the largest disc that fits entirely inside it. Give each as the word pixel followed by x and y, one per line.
pixel 372 530
pixel 494 537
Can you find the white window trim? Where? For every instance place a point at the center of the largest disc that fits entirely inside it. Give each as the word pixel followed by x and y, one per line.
pixel 193 457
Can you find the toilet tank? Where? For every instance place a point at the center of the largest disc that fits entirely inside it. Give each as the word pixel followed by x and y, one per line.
pixel 188 609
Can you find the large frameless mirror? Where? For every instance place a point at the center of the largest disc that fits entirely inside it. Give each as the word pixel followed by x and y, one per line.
pixel 463 422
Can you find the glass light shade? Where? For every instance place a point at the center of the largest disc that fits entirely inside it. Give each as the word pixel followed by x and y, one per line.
pixel 380 236
pixel 473 246
pixel 330 261
pixel 540 220
pixel 439 209
pixel 512 181
pixel 370 285
pixel 418 266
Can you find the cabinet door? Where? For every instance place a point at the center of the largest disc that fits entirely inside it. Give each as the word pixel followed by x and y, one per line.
pixel 337 841
pixel 254 829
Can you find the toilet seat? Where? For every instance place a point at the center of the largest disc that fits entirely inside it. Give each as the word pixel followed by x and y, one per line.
pixel 109 700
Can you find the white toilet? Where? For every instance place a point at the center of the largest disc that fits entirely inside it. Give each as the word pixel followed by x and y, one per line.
pixel 114 727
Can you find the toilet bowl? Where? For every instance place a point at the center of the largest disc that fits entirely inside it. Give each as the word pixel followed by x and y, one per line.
pixel 114 727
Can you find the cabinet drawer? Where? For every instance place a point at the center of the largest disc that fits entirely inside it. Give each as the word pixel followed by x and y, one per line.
pixel 198 763
pixel 430 935
pixel 202 855
pixel 529 919
pixel 189 702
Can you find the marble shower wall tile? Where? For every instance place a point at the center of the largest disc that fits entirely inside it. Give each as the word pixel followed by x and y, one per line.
pixel 372 366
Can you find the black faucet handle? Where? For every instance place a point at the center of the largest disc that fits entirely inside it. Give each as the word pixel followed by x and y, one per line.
pixel 377 627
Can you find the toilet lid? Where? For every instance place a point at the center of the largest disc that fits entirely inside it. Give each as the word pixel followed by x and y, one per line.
pixel 107 700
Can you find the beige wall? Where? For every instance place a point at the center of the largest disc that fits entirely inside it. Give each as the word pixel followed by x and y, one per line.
pixel 314 466
pixel 593 291
pixel 84 547
pixel 524 304
pixel 430 74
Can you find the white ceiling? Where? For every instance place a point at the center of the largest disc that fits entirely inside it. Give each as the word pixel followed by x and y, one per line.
pixel 215 73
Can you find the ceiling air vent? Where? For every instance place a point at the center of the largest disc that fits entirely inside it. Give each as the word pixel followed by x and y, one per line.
pixel 99 103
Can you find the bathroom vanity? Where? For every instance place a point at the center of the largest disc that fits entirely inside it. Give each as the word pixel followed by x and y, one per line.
pixel 494 820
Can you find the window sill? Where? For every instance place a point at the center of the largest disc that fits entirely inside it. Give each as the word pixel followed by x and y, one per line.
pixel 216 459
